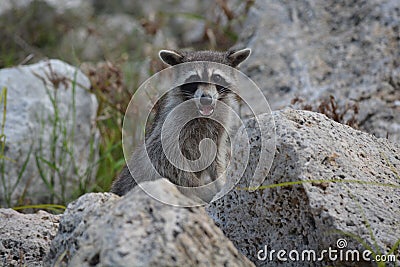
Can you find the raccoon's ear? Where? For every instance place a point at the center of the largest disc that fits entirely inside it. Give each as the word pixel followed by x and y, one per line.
pixel 237 57
pixel 170 57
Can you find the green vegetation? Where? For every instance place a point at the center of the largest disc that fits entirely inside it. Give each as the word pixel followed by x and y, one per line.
pixel 7 187
pixel 62 158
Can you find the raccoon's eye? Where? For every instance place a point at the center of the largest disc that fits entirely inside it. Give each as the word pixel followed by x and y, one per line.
pixel 216 78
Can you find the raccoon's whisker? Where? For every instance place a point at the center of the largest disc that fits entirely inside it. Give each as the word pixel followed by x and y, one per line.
pixel 224 90
pixel 187 94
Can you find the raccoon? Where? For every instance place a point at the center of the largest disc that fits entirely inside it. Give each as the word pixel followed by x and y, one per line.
pixel 205 96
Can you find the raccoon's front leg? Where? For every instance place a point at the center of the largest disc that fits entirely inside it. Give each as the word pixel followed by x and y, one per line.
pixel 211 181
pixel 201 193
pixel 123 183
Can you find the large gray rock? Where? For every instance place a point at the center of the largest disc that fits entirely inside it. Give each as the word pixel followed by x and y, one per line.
pixel 313 49
pixel 25 238
pixel 357 199
pixel 137 230
pixel 51 138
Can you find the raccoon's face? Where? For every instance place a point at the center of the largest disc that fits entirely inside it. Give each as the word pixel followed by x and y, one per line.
pixel 214 83
pixel 207 93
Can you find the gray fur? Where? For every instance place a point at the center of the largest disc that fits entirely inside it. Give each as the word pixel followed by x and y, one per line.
pixel 193 132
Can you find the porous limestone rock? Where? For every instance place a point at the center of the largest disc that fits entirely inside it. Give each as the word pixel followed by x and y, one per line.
pixel 137 230
pixel 25 238
pixel 328 181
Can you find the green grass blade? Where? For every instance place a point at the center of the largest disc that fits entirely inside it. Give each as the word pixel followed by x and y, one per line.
pixel 318 181
pixel 21 172
pixel 54 207
pixel 43 177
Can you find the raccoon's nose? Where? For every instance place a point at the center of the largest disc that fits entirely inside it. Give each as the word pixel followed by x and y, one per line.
pixel 206 100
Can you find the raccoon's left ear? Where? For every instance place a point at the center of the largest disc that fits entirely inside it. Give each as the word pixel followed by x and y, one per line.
pixel 237 57
pixel 170 57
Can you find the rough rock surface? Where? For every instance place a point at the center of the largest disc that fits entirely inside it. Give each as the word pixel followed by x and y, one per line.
pixel 313 49
pixel 362 201
pixel 49 123
pixel 25 238
pixel 105 230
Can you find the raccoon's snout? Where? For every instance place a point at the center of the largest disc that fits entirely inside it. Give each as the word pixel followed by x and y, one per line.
pixel 206 100
pixel 206 104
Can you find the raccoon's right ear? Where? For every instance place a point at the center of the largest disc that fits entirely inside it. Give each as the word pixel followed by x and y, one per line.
pixel 170 57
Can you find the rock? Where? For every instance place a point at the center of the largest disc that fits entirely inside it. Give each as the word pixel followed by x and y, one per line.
pixel 78 8
pixel 105 230
pixel 355 194
pixel 25 238
pixel 73 224
pixel 342 48
pixel 51 138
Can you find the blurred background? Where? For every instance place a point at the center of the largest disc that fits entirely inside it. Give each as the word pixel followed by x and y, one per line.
pixel 116 44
